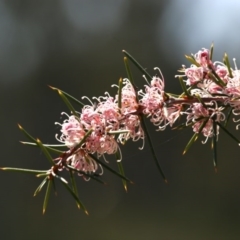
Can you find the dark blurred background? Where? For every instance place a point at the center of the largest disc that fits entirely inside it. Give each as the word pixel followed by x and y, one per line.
pixel 76 46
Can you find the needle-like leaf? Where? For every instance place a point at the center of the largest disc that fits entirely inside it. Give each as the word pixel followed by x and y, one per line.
pixel 47 194
pixel 68 96
pixel 120 85
pixel 73 182
pixel 22 170
pixel 69 105
pixel 39 188
pixel 226 62
pixel 152 149
pixel 92 176
pixel 191 141
pixel 226 131
pixel 109 168
pixel 195 136
pixel 79 203
pixel 211 51
pixel 83 140
pixel 128 70
pixel 27 134
pixel 192 60
pixel 50 147
pixel 137 64
pixel 214 146
pixel 45 151
pixel 185 90
pixel 217 79
pixel 121 169
pixel 228 117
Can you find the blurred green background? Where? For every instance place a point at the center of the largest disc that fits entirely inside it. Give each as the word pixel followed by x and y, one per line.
pixel 76 46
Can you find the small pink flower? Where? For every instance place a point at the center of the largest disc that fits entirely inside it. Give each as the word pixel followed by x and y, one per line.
pixel 172 113
pixel 101 143
pixel 207 130
pixel 194 75
pixel 153 104
pixel 133 125
pixel 83 162
pixel 152 100
pixel 197 113
pixel 72 131
pixel 222 72
pixel 207 87
pixel 233 84
pixel 203 58
pixel 129 102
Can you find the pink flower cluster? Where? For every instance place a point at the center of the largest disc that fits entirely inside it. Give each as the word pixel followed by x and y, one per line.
pixel 106 121
pixel 212 78
pixel 211 88
pixel 218 87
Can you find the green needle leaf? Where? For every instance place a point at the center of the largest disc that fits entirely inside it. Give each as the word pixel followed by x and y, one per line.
pixel 121 170
pixel 50 147
pixel 211 51
pixel 39 188
pixel 192 60
pixel 110 169
pixel 47 194
pixel 226 62
pixel 191 141
pixel 195 136
pixel 39 143
pixel 152 149
pixel 185 90
pixel 182 126
pixel 217 79
pixel 214 146
pixel 54 186
pixel 201 101
pixel 79 203
pixel 45 151
pixel 22 170
pixel 60 178
pixel 228 117
pixel 73 182
pixel 42 174
pixel 68 96
pixel 27 134
pixel 69 105
pixel 46 145
pixel 138 65
pixel 92 176
pixel 226 131
pixel 120 85
pixel 129 73
pixel 83 140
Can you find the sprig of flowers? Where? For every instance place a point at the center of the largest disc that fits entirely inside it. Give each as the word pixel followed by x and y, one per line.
pixel 211 94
